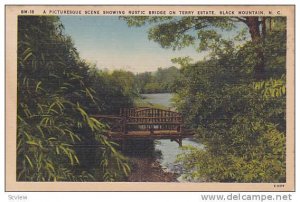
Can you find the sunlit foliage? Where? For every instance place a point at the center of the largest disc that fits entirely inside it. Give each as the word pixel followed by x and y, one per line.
pixel 57 138
pixel 235 98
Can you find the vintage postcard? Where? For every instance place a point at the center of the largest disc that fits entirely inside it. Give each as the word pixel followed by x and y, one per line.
pixel 150 98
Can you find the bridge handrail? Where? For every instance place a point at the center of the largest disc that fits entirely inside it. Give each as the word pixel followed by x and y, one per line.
pixel 131 119
pixel 152 117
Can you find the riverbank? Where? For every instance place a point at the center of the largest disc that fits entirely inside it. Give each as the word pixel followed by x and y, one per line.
pixel 149 170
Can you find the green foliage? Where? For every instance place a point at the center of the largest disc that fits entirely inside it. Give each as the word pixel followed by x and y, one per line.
pixel 271 88
pixel 182 61
pixel 205 34
pixel 180 32
pixel 240 121
pixel 244 135
pixel 55 92
pixel 261 160
pixel 152 88
pixel 160 81
pixel 275 45
pixel 114 90
pixel 125 79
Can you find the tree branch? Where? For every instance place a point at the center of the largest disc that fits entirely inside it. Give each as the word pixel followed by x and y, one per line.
pixel 240 19
pixel 191 27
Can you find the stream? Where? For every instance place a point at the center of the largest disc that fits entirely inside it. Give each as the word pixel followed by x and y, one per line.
pixel 169 150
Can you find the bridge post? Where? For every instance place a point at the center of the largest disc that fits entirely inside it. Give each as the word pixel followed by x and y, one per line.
pixel 179 141
pixel 124 126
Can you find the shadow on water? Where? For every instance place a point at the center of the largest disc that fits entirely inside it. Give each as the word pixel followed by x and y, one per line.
pixel 143 158
pixel 138 148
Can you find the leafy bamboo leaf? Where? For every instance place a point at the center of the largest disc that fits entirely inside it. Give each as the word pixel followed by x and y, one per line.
pixel 29 161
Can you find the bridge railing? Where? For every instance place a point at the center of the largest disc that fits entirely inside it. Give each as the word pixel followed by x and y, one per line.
pixel 152 119
pixel 143 119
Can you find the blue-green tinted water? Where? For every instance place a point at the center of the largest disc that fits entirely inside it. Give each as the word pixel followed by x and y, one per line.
pixel 169 150
pixel 159 98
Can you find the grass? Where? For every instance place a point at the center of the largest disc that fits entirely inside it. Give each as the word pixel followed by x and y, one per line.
pixel 142 102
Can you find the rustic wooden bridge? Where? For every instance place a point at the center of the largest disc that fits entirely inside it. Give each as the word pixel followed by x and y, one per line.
pixel 146 123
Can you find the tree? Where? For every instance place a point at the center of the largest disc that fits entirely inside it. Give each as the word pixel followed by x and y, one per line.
pixel 179 32
pixel 114 90
pixel 240 121
pixel 141 79
pixel 125 79
pixel 53 123
pixel 160 81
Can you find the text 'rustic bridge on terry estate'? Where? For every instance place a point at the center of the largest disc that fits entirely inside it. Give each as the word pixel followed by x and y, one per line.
pixel 146 123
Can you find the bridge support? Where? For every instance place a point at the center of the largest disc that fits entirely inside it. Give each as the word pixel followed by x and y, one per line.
pixel 179 141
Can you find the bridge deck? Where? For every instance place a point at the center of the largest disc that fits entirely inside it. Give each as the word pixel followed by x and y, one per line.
pixel 161 134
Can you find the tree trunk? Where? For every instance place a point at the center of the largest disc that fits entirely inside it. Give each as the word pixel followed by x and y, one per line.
pixel 264 28
pixel 257 40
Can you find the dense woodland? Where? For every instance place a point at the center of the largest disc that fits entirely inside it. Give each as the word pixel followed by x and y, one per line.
pixel 235 99
pixel 57 94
